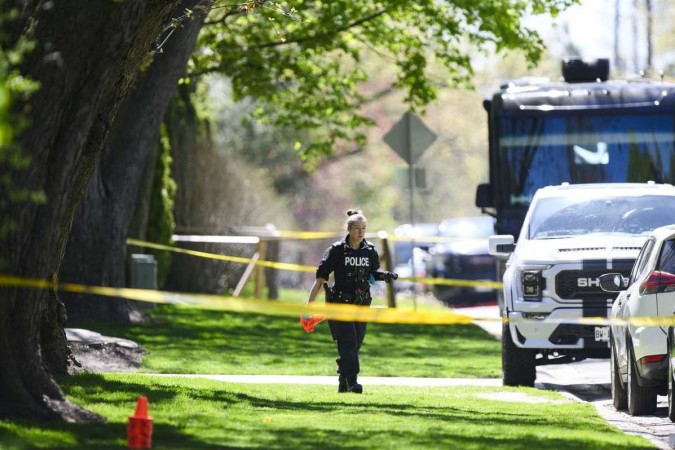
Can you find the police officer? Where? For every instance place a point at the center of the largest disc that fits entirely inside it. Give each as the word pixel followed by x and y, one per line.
pixel 353 261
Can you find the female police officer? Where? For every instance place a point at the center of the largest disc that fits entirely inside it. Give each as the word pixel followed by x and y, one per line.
pixel 353 261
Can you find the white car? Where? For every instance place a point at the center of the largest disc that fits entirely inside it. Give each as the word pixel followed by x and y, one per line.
pixel 572 234
pixel 639 353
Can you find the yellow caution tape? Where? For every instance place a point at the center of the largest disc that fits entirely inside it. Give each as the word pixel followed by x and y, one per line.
pixel 454 282
pixel 329 310
pixel 237 259
pixel 663 321
pixel 332 311
pixel 309 269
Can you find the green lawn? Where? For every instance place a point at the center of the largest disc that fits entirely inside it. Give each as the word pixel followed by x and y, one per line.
pixel 190 340
pixel 194 414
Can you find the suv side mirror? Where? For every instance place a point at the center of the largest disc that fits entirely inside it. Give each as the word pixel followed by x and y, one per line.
pixel 613 282
pixel 484 196
pixel 501 245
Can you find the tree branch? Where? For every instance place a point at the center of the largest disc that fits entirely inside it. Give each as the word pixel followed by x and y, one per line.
pixel 332 32
pixel 377 95
pixel 296 40
pixel 235 9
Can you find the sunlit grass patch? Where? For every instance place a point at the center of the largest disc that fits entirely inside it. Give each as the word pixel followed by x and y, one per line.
pixel 192 340
pixel 204 414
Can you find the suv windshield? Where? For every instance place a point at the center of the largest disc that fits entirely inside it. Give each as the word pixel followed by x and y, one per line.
pixel 566 216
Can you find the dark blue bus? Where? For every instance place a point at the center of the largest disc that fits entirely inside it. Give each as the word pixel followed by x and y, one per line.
pixel 585 129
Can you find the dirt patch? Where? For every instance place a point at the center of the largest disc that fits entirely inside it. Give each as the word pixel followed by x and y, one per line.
pixel 105 356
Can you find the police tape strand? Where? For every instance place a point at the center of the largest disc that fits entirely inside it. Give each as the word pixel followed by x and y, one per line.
pixel 332 311
pixel 309 269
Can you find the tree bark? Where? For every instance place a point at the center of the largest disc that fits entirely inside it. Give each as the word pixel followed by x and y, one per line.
pixel 96 250
pixel 649 32
pixel 88 55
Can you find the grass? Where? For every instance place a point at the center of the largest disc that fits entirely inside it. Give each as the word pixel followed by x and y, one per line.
pixel 195 414
pixel 188 340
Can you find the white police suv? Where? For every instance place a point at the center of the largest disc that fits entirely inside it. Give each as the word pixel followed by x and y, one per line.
pixel 572 234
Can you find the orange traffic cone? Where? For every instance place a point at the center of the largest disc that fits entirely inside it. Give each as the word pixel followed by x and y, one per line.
pixel 139 428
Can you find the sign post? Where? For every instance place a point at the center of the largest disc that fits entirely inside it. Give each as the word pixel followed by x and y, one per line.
pixel 409 137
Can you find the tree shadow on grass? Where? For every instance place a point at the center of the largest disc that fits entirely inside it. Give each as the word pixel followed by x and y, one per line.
pixel 433 424
pixel 237 422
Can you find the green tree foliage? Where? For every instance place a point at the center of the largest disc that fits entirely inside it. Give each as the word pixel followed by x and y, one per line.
pixel 161 220
pixel 12 160
pixel 302 59
pixel 260 144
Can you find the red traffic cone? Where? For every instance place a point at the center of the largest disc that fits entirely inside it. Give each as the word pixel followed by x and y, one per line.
pixel 139 428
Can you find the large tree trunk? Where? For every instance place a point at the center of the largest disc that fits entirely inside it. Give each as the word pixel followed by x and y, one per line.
pixel 88 55
pixel 96 248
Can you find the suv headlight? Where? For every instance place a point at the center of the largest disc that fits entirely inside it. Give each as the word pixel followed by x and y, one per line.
pixel 532 283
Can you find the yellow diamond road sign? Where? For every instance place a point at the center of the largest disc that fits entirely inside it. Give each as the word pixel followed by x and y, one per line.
pixel 410 137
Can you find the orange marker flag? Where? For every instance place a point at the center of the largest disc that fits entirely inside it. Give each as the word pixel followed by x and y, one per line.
pixel 309 321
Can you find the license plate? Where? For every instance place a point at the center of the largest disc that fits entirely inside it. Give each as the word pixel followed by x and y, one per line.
pixel 602 334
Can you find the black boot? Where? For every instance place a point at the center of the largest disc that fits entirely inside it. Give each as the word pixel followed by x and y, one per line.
pixel 342 384
pixel 353 386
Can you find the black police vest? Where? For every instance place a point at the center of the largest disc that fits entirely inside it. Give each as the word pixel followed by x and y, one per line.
pixel 352 268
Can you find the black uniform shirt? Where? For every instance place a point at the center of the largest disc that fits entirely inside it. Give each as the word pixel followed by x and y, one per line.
pixel 352 267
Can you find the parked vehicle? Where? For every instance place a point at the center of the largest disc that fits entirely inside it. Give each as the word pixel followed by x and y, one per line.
pixel 410 251
pixel 572 234
pixel 585 128
pixel 465 257
pixel 640 366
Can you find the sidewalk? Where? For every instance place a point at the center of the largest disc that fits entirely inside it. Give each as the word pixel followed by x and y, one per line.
pixel 332 380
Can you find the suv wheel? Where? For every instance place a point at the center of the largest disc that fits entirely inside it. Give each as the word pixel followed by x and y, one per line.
pixel 641 400
pixel 619 398
pixel 518 366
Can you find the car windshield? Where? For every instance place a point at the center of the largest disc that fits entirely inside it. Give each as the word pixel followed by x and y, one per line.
pixel 470 227
pixel 566 216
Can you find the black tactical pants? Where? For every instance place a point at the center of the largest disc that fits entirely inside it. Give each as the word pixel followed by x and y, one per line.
pixel 349 337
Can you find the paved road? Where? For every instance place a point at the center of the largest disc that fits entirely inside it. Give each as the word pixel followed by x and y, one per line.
pixel 589 381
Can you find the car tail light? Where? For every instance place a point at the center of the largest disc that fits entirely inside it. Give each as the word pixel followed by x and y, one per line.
pixel 532 284
pixel 652 358
pixel 658 282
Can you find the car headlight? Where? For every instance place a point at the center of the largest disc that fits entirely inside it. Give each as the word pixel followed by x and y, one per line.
pixel 532 284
